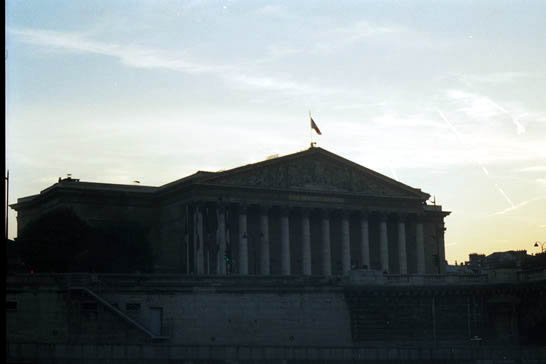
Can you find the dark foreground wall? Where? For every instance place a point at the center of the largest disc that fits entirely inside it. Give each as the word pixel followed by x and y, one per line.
pixel 119 318
pixel 149 353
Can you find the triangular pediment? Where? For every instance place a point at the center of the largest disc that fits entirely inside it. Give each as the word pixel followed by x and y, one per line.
pixel 314 170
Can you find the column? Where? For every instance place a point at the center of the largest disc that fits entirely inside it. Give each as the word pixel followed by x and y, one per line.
pixel 365 240
pixel 402 258
pixel 285 242
pixel 384 243
pixel 243 241
pixel 199 240
pixel 326 256
pixel 221 240
pixel 441 247
pixel 420 245
pixel 264 241
pixel 306 242
pixel 345 243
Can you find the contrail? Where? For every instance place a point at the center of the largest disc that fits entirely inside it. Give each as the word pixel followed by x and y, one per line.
pixel 476 161
pixel 520 129
pixel 521 204
pixel 505 195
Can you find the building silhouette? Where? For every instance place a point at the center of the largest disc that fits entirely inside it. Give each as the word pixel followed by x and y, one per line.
pixel 302 258
pixel 307 213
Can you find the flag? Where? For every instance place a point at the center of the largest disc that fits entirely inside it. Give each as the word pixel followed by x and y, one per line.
pixel 314 126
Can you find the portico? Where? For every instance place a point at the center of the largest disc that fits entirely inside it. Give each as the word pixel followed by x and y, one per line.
pixel 314 214
pixel 339 241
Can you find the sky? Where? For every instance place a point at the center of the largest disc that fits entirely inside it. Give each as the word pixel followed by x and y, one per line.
pixel 448 96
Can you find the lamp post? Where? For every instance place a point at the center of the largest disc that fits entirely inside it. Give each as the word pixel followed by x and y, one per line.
pixel 538 243
pixel 7 204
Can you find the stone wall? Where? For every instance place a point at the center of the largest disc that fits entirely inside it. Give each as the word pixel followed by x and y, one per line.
pixel 191 354
pixel 277 311
pixel 51 318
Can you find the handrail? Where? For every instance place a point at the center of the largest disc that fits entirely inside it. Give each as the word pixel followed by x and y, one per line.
pixel 120 313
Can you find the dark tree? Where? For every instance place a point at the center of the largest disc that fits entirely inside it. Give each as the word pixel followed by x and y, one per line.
pixel 60 241
pixel 120 247
pixel 52 242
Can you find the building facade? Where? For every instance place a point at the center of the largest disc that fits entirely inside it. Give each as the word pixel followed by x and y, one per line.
pixel 307 213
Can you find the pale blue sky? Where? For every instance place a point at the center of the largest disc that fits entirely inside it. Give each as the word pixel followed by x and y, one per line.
pixel 446 96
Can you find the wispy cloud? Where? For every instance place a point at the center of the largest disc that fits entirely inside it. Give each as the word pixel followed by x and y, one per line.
pixel 278 50
pixel 482 107
pixel 130 55
pixel 533 169
pixel 278 84
pixel 276 10
pixel 335 38
pixel 364 29
pixel 495 78
pixel 178 61
pixel 390 120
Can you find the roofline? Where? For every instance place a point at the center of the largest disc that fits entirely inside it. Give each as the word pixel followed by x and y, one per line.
pixel 116 186
pixel 82 186
pixel 203 177
pixel 191 178
pixel 423 195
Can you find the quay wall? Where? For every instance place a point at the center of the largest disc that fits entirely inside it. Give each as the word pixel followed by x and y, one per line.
pixel 286 313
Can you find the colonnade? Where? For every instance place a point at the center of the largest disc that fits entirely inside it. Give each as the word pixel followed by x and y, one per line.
pixel 325 244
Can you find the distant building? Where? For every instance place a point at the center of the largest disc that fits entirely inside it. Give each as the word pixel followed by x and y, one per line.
pixel 507 259
pixel 307 213
pixel 502 262
pixel 458 269
pixel 476 262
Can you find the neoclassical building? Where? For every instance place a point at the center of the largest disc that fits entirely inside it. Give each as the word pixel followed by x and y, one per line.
pixel 308 213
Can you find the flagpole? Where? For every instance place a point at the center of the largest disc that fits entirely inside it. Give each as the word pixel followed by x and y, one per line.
pixel 7 204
